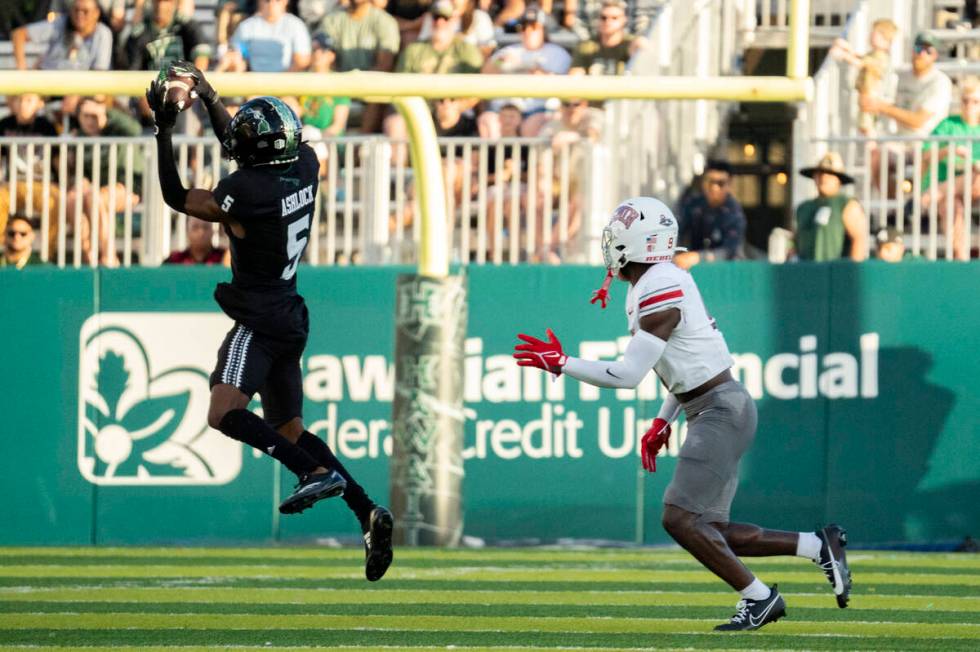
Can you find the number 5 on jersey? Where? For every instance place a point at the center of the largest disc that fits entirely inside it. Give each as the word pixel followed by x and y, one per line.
pixel 297 235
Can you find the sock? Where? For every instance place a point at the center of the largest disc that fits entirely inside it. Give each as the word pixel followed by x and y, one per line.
pixel 808 546
pixel 250 429
pixel 756 591
pixel 354 495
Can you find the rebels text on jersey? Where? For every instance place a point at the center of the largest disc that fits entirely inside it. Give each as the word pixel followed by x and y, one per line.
pixel 275 206
pixel 696 351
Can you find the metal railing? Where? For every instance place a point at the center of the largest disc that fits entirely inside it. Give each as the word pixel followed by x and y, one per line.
pixel 897 181
pixel 97 200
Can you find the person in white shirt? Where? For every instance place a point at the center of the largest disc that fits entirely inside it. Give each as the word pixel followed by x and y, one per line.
pixel 674 335
pixel 922 100
pixel 534 55
pixel 270 41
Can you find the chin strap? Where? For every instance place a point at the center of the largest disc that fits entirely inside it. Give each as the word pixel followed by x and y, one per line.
pixel 602 294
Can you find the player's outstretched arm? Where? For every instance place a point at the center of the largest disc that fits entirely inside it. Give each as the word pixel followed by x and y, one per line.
pixel 642 353
pixel 197 202
pixel 203 89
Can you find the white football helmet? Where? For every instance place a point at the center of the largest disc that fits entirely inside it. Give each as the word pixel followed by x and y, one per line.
pixel 641 230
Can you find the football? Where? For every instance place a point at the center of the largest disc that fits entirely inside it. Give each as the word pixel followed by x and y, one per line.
pixel 179 90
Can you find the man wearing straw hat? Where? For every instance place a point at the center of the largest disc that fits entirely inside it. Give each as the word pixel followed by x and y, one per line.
pixel 832 225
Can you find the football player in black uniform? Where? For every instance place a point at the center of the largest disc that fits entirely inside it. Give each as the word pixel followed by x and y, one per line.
pixel 266 206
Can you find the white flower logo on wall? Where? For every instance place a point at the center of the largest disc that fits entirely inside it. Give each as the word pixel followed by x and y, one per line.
pixel 143 398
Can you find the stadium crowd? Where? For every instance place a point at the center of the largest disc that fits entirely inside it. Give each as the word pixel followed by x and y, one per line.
pixel 574 37
pixel 318 36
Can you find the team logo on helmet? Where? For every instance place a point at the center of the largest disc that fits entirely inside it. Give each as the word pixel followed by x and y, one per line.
pixel 666 221
pixel 625 214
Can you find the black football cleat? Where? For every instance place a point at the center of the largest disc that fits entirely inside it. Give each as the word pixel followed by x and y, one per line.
pixel 833 561
pixel 377 543
pixel 311 488
pixel 753 614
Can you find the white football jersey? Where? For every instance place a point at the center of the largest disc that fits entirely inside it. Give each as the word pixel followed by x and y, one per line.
pixel 696 351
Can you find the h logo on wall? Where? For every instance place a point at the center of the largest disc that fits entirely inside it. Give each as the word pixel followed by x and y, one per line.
pixel 143 400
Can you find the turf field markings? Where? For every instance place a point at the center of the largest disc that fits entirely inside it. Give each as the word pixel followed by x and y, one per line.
pixel 460 574
pixel 450 609
pixel 580 597
pixel 469 624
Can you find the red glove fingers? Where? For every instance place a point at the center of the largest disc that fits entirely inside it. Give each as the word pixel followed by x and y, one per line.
pixel 655 438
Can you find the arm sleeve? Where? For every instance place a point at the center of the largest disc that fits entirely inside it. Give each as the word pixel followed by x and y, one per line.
pixel 642 353
pixel 219 117
pixel 174 192
pixel 670 409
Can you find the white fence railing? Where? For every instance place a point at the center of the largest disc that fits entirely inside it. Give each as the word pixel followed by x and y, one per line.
pixel 97 200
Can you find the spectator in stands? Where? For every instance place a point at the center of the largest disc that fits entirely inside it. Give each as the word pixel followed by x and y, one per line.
pixel 474 24
pixel 511 11
pixel 711 223
pixel 366 38
pixel 923 96
pixel 832 225
pixel 612 50
pixel 576 123
pixel 200 246
pixel 874 67
pixel 17 244
pixel 890 245
pixel 270 41
pixel 313 11
pixel 96 119
pixel 446 52
pixel 965 153
pixel 534 56
pixel 164 36
pixel 921 102
pixel 26 117
pixel 76 41
pixel 408 14
pixel 328 114
pixel 228 16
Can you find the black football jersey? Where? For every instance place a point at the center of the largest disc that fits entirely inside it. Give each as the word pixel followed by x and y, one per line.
pixel 275 206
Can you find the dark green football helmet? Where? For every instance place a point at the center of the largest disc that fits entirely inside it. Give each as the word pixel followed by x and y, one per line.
pixel 265 131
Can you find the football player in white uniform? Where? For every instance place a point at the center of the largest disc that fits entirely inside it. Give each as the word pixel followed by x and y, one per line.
pixel 674 335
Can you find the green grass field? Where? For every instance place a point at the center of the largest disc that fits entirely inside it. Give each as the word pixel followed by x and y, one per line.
pixel 156 598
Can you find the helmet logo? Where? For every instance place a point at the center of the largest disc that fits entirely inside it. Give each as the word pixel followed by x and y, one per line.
pixel 651 242
pixel 263 126
pixel 626 214
pixel 666 221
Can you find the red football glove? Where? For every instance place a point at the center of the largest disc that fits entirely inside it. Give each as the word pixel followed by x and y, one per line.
pixel 543 355
pixel 654 439
pixel 602 294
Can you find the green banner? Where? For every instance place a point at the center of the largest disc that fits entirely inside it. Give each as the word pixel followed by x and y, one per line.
pixel 863 376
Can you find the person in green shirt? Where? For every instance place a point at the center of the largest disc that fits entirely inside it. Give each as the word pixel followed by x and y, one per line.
pixel 366 38
pixel 963 153
pixel 17 244
pixel 446 52
pixel 328 114
pixel 833 224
